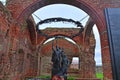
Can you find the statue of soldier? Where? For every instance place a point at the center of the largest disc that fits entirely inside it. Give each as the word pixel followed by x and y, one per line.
pixel 60 62
pixel 64 64
pixel 56 60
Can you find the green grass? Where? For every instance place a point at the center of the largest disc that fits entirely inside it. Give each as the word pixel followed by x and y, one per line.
pixel 48 77
pixel 99 75
pixel 70 78
pixel 44 77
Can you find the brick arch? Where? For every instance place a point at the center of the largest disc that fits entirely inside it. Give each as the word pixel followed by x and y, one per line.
pixel 32 32
pixel 28 7
pixel 45 39
pixel 76 47
pixel 95 12
pixel 78 39
pixel 62 43
pixel 88 6
pixel 87 31
pixel 31 6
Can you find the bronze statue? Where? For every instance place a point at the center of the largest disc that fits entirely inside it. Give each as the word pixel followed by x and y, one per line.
pixel 60 62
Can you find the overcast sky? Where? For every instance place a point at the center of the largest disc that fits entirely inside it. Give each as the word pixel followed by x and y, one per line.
pixel 3 1
pixel 69 12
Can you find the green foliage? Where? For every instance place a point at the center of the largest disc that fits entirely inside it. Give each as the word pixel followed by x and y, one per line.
pixel 44 77
pixel 99 75
pixel 48 77
pixel 70 78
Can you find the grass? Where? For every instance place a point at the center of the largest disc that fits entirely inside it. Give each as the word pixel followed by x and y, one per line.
pixel 99 75
pixel 70 78
pixel 48 77
pixel 44 77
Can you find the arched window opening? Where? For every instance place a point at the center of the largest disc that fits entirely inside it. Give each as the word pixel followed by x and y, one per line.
pixel 56 10
pixel 66 38
pixel 98 58
pixel 75 63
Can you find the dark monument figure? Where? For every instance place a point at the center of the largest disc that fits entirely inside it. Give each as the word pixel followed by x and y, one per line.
pixel 55 60
pixel 60 62
pixel 64 65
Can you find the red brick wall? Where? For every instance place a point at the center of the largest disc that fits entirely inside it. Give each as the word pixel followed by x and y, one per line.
pixel 14 35
pixel 15 45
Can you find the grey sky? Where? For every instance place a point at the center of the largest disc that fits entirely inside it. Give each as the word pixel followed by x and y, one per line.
pixel 3 1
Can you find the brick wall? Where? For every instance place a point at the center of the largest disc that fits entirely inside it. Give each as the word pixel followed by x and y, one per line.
pixel 14 34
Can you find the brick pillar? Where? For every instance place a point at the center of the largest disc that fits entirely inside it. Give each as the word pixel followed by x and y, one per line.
pixel 8 43
pixel 106 59
pixel 89 66
pixel 82 68
pixel 87 59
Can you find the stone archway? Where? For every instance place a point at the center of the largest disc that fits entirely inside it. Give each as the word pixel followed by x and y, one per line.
pixel 28 7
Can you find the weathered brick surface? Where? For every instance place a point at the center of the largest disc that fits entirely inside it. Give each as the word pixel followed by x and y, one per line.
pixel 15 36
pixel 4 42
pixel 14 47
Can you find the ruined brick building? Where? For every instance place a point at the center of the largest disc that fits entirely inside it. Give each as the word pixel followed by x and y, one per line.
pixel 21 47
